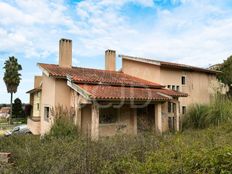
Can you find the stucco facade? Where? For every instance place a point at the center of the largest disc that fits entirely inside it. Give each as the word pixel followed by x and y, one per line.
pixel 200 86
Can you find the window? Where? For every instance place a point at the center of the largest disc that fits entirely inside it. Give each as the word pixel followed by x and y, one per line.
pixel 178 88
pixel 108 115
pixel 46 113
pixel 183 110
pixel 173 107
pixel 169 86
pixel 37 106
pixel 173 87
pixel 183 80
pixel 169 107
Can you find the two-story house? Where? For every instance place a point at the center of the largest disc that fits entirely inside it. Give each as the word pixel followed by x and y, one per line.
pixel 144 95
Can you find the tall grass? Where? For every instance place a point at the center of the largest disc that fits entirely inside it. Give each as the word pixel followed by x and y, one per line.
pixel 201 115
pixel 205 151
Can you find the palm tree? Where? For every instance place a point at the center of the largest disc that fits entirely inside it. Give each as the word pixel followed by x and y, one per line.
pixel 12 78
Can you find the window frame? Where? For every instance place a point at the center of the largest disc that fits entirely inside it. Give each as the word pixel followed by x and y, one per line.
pixel 183 80
pixel 47 113
pixel 173 87
pixel 184 110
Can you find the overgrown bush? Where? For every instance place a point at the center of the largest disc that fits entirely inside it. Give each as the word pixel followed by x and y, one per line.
pixel 63 125
pixel 206 151
pixel 202 116
pixel 191 152
pixel 196 117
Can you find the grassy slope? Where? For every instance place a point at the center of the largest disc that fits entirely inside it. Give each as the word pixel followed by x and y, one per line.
pixel 202 151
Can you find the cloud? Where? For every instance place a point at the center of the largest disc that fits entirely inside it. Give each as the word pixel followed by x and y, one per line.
pixel 184 31
pixel 193 32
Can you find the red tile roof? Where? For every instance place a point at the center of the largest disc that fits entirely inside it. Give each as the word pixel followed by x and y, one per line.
pixel 95 76
pixel 122 93
pixel 129 93
pixel 172 93
pixel 111 85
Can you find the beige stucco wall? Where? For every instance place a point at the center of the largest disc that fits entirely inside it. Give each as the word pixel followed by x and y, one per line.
pixel 63 93
pixel 55 93
pixel 142 70
pixel 48 100
pixel 198 85
pixel 86 119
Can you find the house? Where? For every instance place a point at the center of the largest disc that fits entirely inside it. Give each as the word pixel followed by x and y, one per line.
pixel 4 112
pixel 145 94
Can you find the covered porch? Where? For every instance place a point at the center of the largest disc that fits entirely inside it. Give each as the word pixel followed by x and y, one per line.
pixel 102 122
pixel 105 110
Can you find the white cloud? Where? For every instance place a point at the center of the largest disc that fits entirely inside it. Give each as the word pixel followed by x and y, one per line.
pixel 195 32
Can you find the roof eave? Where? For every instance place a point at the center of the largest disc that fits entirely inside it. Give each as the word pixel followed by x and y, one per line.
pixel 43 70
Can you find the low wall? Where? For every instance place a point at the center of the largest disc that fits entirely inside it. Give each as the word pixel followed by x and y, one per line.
pixel 107 130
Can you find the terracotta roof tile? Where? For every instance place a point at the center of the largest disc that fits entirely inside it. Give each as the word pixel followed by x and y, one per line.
pixel 95 76
pixel 122 93
pixel 172 93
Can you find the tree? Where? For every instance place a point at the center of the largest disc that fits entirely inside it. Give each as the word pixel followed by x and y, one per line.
pixel 17 109
pixel 12 77
pixel 226 75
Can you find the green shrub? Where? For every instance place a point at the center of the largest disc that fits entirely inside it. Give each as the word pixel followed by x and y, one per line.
pixel 63 125
pixel 201 116
pixel 196 117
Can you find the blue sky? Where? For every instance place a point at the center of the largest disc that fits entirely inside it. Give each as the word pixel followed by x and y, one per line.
pixel 184 31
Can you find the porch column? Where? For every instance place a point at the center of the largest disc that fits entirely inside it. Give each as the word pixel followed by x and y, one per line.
pixel 177 115
pixel 78 117
pixel 158 117
pixel 95 122
pixel 134 120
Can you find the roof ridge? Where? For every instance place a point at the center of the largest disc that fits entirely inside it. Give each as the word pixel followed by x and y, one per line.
pixel 75 67
pixel 150 60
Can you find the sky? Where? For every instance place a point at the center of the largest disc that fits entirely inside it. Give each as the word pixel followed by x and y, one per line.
pixel 185 31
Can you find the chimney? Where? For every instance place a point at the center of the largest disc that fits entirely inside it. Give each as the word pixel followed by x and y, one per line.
pixel 110 60
pixel 37 81
pixel 65 53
